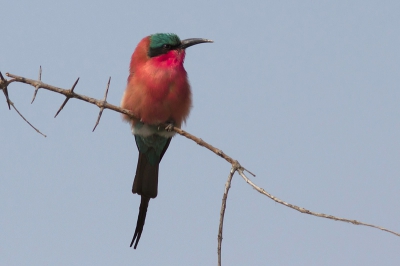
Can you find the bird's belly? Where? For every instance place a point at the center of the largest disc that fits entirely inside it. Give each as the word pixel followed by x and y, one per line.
pixel 166 104
pixel 165 98
pixel 146 130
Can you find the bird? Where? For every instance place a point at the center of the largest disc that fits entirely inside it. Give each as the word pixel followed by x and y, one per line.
pixel 157 93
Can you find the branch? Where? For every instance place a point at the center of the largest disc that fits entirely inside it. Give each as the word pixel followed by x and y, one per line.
pixel 236 167
pixel 102 104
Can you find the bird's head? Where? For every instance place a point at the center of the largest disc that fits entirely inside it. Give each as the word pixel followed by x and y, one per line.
pixel 162 43
pixel 162 49
pixel 167 46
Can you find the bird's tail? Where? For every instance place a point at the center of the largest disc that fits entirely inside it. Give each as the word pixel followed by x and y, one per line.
pixel 146 178
pixel 145 184
pixel 144 203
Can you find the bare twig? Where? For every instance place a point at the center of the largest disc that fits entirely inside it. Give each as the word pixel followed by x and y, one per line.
pixel 37 130
pixel 302 210
pixel 223 207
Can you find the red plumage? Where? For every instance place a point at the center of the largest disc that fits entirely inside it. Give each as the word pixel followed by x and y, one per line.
pixel 158 92
pixel 158 89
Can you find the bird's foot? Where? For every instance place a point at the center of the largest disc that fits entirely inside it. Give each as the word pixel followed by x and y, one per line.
pixel 170 126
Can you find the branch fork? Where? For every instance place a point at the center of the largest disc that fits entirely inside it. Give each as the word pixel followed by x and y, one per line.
pixel 3 86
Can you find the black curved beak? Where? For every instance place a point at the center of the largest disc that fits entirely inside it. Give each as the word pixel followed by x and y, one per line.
pixel 193 41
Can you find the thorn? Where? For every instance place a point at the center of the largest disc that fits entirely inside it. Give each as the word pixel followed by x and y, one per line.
pixel 67 97
pixel 37 86
pixel 73 86
pixel 98 118
pixel 108 86
pixel 62 106
pixel 102 105
pixel 34 94
pixel 249 172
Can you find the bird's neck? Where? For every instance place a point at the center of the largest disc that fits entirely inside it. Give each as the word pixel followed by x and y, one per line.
pixel 171 60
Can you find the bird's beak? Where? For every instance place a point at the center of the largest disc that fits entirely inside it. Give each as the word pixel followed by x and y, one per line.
pixel 193 41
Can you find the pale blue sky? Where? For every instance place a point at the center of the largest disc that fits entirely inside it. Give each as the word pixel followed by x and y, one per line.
pixel 303 93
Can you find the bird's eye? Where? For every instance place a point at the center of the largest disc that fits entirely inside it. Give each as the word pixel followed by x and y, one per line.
pixel 167 46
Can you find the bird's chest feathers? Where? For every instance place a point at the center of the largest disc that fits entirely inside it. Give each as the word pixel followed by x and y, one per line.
pixel 166 81
pixel 160 92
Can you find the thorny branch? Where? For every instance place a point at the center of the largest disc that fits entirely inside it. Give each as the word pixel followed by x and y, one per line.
pixel 236 167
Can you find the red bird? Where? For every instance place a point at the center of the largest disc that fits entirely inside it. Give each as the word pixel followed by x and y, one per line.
pixel 158 91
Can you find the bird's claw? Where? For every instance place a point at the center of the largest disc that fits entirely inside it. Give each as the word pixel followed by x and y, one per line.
pixel 169 127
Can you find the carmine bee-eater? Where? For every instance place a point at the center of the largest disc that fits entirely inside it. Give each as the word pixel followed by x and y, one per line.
pixel 158 92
